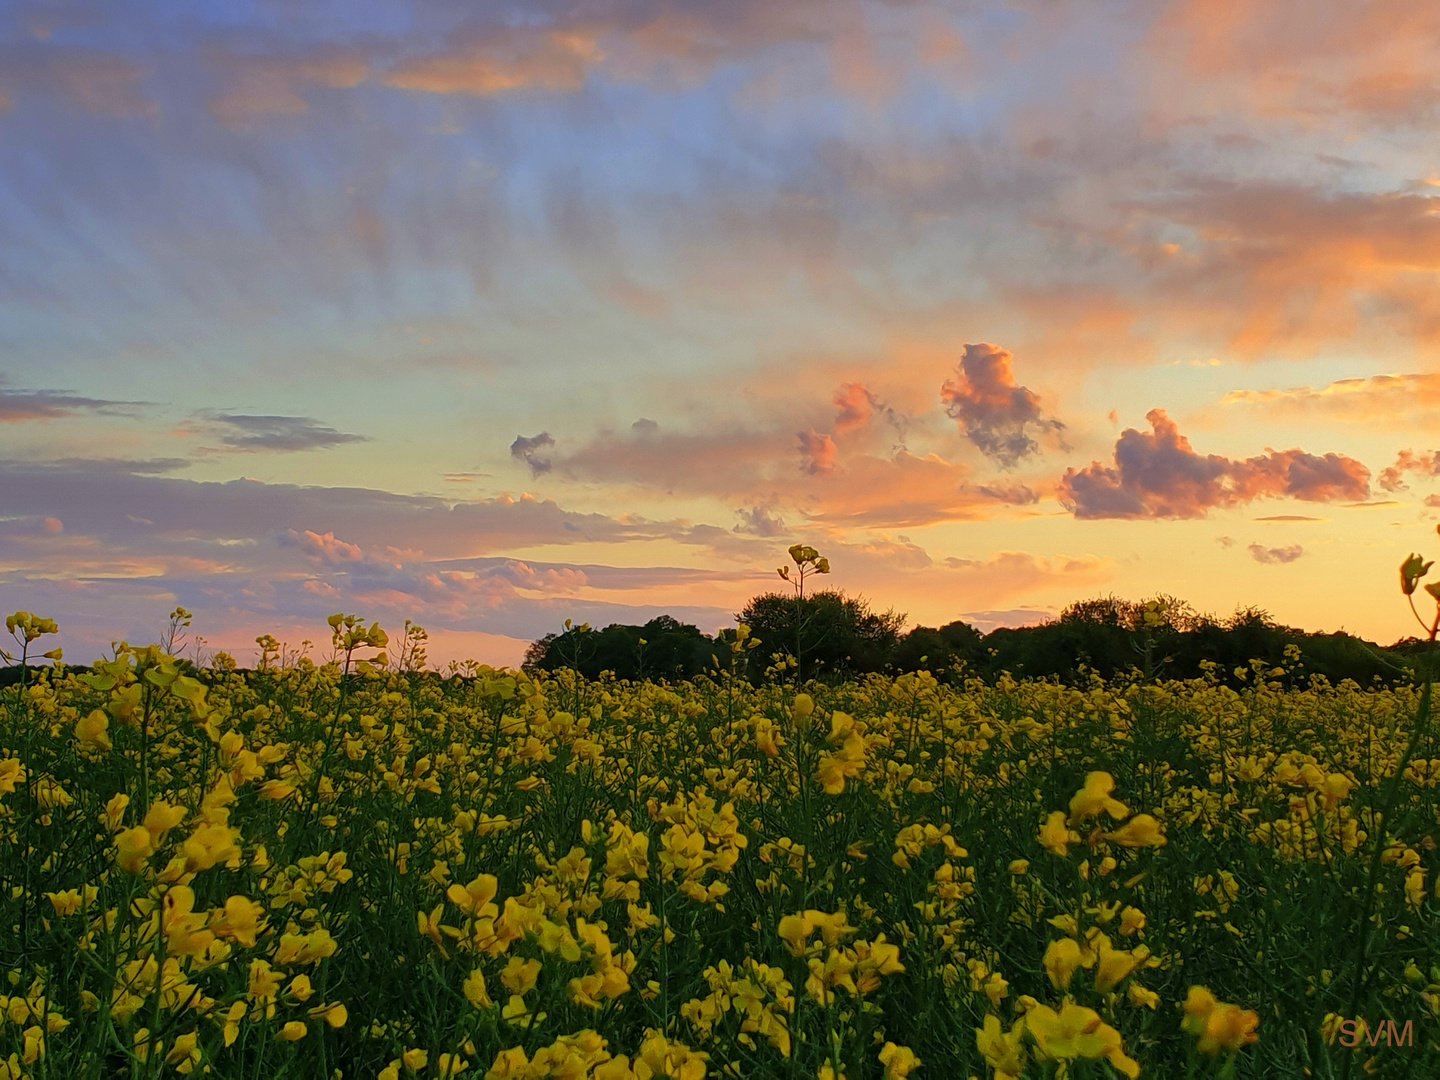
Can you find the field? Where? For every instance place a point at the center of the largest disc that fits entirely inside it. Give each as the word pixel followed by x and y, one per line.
pixel 347 870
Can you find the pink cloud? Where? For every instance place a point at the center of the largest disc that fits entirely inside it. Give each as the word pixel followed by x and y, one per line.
pixel 1158 474
pixel 324 547
pixel 856 404
pixel 1426 465
pixel 817 453
pixel 992 410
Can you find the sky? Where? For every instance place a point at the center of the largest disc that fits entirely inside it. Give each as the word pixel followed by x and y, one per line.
pixel 492 314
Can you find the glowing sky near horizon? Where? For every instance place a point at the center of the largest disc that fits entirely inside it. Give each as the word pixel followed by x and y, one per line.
pixel 492 314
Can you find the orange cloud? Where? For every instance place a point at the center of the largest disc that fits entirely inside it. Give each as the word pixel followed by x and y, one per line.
pixel 1365 401
pixel 856 404
pixel 501 59
pixel 1305 59
pixel 1426 465
pixel 1158 474
pixel 817 453
pixel 1286 266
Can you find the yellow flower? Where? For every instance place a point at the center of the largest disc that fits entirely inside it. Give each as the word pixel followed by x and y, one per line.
pixel 899 1061
pixel 475 899
pixel 1140 831
pixel 849 760
pixel 11 773
pixel 1018 867
pixel 1114 965
pixel 208 845
pixel 475 992
pixel 240 921
pixel 1131 920
pixel 1055 837
pixel 1095 797
pixel 793 930
pixel 430 926
pixel 1062 957
pixel 520 976
pixel 1139 996
pixel 292 1031
pixel 415 1059
pixel 1076 1032
pixel 300 988
pixel 90 731
pixel 1216 1025
pixel 264 983
pixel 1003 1051
pixel 184 1053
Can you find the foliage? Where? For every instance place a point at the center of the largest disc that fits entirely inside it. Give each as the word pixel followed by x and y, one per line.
pixel 837 634
pixel 663 648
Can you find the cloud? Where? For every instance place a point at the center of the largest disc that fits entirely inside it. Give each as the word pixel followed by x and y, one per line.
pixel 1013 494
pixel 817 453
pixel 1365 401
pixel 1157 474
pixel 91 80
pixel 758 521
pixel 243 433
pixel 1295 60
pixel 527 448
pixel 262 87
pixel 499 59
pixel 246 553
pixel 856 404
pixel 1432 501
pixel 20 405
pixel 1261 554
pixel 322 547
pixel 991 409
pixel 1288 266
pixel 1425 465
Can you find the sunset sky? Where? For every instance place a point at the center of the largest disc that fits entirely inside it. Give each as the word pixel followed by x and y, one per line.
pixel 490 314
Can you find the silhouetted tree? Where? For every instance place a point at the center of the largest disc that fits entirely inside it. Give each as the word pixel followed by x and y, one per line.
pixel 926 648
pixel 837 634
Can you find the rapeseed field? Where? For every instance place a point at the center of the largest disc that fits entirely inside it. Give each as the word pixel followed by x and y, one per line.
pixel 348 870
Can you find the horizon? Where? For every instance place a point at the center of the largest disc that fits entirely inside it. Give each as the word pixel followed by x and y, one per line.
pixel 492 316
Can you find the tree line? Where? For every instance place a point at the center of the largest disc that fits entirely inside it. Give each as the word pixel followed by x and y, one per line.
pixel 828 635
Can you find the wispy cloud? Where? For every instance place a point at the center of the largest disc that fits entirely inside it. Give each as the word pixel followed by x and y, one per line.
pixel 245 433
pixel 17 405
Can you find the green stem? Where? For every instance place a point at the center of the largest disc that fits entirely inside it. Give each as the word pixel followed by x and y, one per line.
pixel 1391 797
